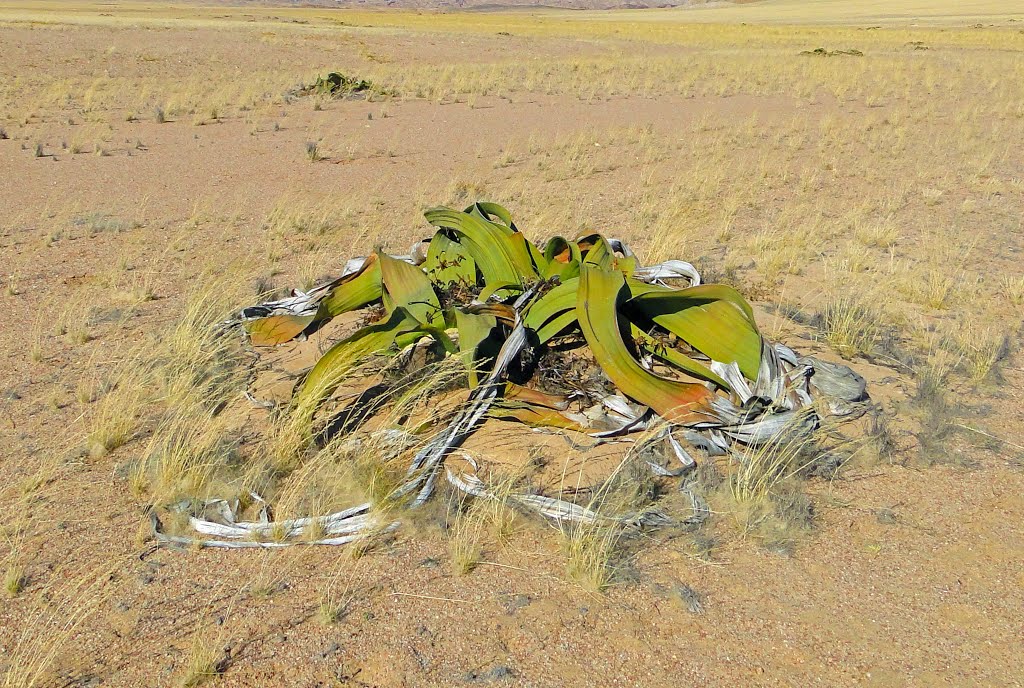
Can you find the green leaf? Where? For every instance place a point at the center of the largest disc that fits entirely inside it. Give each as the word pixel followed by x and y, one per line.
pixel 408 286
pixel 598 252
pixel 553 312
pixel 493 288
pixel 537 259
pixel 486 211
pixel 359 289
pixel 563 259
pixel 534 416
pixel 562 250
pixel 675 357
pixel 498 257
pixel 598 299
pixel 473 329
pixel 707 292
pixel 341 358
pixel 449 262
pixel 277 329
pixel 506 315
pixel 712 318
pixel 535 397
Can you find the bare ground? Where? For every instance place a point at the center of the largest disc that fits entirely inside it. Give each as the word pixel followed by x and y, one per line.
pixel 910 574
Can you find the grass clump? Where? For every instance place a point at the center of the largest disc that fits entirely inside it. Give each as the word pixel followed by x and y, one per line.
pixel 182 459
pixel 762 491
pixel 850 326
pixel 1013 289
pixel 313 153
pixel 116 417
pixel 590 550
pixel 334 604
pixel 466 540
pixel 15 579
pixel 881 234
pixel 204 661
pixel 935 414
pixel 980 349
pixel 881 436
pixel 73 598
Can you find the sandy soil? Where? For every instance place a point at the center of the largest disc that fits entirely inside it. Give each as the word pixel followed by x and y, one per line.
pixel 911 573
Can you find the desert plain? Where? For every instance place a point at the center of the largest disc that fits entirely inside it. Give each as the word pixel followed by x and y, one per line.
pixel 163 165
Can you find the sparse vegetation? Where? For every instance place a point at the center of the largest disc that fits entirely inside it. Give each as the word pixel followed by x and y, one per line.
pixel 116 416
pixel 14 580
pixel 313 151
pixel 589 551
pixel 850 326
pixel 47 630
pixel 867 208
pixel 466 541
pixel 204 660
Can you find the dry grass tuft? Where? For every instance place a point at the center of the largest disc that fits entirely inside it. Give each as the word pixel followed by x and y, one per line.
pixel 1013 289
pixel 981 349
pixel 36 348
pixel 335 602
pixel 590 550
pixel 878 234
pixel 930 378
pixel 762 492
pixel 936 288
pixel 850 326
pixel 72 599
pixel 182 459
pixel 881 437
pixel 313 153
pixel 117 413
pixel 466 540
pixel 204 661
pixel 15 579
pixel 935 414
pixel 760 467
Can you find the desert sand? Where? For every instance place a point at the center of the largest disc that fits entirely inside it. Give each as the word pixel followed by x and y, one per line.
pixel 160 168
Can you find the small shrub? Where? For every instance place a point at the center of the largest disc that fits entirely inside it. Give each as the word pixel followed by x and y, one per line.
pixel 14 580
pixel 881 436
pixel 337 84
pixel 313 151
